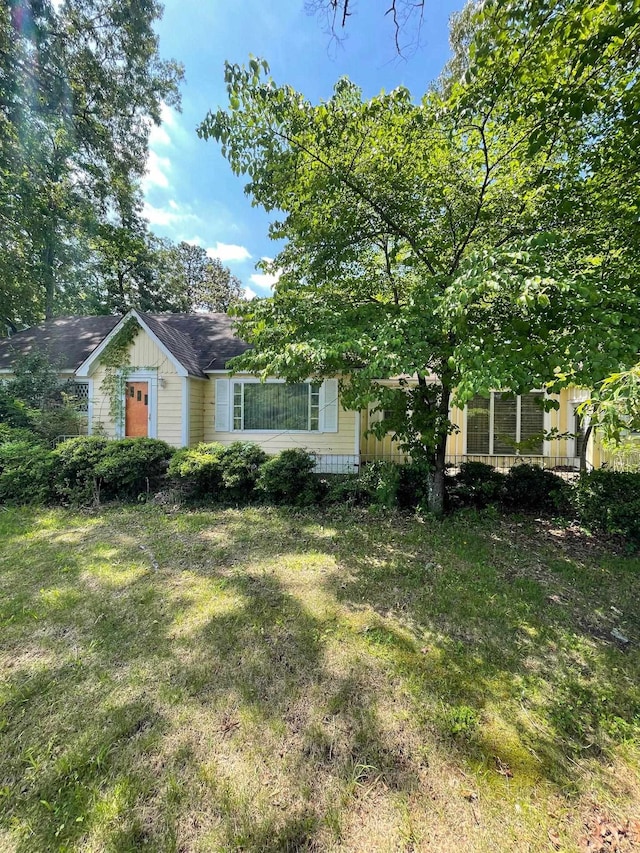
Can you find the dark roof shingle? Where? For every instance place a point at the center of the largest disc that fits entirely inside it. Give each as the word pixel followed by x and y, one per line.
pixel 199 342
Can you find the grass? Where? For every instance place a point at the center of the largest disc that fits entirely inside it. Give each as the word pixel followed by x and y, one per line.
pixel 266 680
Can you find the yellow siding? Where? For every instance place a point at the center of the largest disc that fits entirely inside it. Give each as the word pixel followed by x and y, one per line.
pixel 197 390
pixel 145 355
pixel 336 443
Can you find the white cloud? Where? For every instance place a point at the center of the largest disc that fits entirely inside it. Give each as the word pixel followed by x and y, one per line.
pixel 228 252
pixel 171 215
pixel 264 279
pixel 249 294
pixel 158 136
pixel 156 174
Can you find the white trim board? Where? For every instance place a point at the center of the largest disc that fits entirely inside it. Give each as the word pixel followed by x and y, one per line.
pixel 87 365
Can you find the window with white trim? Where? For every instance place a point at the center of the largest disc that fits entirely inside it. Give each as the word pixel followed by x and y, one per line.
pixel 276 406
pixel 498 425
pixel 80 392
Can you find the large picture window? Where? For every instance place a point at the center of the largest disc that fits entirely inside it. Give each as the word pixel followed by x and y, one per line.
pixel 503 425
pixel 276 406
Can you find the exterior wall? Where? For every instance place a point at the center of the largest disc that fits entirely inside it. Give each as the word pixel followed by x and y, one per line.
pixel 145 355
pixel 341 443
pixel 197 390
pixel 558 450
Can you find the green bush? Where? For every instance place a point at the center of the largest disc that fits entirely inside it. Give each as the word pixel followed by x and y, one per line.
pixel 197 472
pixel 240 464
pixel 476 484
pixel 609 501
pixel 289 479
pixel 380 482
pixel 534 488
pixel 26 471
pixel 131 467
pixel 76 479
pixel 13 412
pixel 9 433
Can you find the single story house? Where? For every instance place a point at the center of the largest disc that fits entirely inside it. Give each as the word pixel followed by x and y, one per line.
pixel 179 388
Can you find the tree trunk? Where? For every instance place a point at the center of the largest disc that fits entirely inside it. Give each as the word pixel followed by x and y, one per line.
pixel 437 490
pixel 583 449
pixel 48 270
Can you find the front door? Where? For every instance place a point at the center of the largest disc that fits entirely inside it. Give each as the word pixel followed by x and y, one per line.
pixel 136 416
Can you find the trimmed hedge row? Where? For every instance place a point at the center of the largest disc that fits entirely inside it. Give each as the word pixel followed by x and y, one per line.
pixel 88 469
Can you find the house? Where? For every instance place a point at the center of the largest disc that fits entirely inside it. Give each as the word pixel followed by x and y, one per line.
pixel 179 388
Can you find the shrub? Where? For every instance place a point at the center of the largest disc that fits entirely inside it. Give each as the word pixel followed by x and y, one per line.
pixel 530 487
pixel 26 471
pixel 288 478
pixel 9 433
pixel 413 488
pixel 76 479
pixel 380 482
pixel 476 484
pixel 131 467
pixel 240 464
pixel 342 489
pixel 609 501
pixel 197 471
pixel 13 412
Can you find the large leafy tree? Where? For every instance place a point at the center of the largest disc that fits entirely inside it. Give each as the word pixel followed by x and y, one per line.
pixel 192 281
pixel 80 85
pixel 485 237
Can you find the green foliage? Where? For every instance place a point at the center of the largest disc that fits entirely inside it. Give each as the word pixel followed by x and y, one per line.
pixel 13 412
pixel 10 433
pixel 476 484
pixel 75 472
pixel 26 472
pixel 132 467
pixel 484 237
pixel 197 472
pixel 614 406
pixel 461 721
pixel 240 465
pixel 380 481
pixel 609 501
pixel 115 359
pixel 74 147
pixel 531 487
pixel 288 478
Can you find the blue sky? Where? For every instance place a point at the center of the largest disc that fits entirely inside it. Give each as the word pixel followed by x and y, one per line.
pixel 190 191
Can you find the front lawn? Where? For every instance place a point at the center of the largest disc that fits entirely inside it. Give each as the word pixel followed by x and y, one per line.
pixel 268 680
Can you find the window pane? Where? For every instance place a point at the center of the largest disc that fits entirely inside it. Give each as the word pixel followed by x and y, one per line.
pixel 237 405
pixel 276 406
pixel 478 425
pixel 531 424
pixel 504 424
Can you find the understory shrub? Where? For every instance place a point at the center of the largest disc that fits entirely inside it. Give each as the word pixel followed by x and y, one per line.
pixel 91 467
pixel 531 487
pixel 609 501
pixel 476 484
pixel 131 467
pixel 26 471
pixel 196 471
pixel 75 476
pixel 240 464
pixel 379 481
pixel 288 478
pixel 9 433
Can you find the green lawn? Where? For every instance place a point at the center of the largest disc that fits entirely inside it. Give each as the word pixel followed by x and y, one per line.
pixel 267 680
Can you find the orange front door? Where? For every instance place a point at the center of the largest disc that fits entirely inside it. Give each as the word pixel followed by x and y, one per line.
pixel 136 416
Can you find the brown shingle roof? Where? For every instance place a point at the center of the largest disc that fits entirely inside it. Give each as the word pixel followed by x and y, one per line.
pixel 199 342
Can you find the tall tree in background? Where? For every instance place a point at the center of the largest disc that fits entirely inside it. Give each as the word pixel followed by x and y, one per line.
pixel 192 281
pixel 484 238
pixel 80 86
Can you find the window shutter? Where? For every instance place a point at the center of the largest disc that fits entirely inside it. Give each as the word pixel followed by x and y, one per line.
pixel 222 405
pixel 330 406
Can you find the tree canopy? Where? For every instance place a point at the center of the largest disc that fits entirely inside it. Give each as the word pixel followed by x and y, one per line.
pixel 81 84
pixel 486 236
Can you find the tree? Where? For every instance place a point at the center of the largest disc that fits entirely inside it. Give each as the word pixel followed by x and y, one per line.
pixel 479 239
pixel 81 86
pixel 403 13
pixel 191 281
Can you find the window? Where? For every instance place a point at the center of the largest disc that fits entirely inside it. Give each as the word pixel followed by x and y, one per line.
pixel 81 396
pixel 495 425
pixel 276 406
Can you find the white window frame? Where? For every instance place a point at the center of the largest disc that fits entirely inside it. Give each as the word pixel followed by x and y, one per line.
pixel 546 423
pixel 252 381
